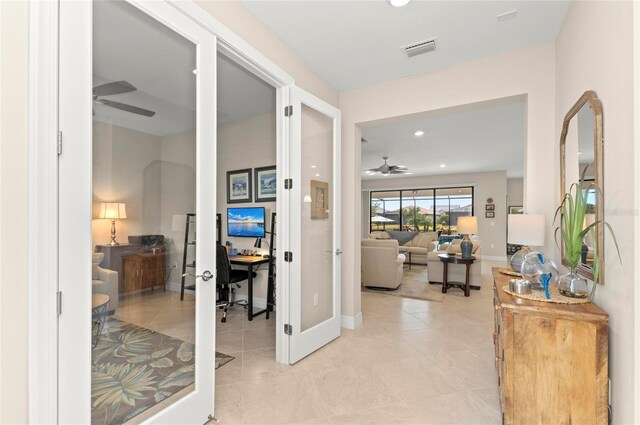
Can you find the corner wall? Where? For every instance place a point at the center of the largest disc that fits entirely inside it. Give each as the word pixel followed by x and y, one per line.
pixel 595 52
pixel 529 72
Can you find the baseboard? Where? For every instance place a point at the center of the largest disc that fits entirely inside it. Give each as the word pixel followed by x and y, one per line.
pixel 494 257
pixel 351 322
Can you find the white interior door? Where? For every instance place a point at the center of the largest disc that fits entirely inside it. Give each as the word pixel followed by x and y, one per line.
pixel 154 359
pixel 315 224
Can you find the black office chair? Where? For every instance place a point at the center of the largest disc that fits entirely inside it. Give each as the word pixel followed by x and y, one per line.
pixel 225 279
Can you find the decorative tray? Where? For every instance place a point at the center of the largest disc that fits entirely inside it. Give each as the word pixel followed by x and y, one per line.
pixel 509 272
pixel 556 297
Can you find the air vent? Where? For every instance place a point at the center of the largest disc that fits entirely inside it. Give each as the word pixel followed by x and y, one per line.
pixel 415 49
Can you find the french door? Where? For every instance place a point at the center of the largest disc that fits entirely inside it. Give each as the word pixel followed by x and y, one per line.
pixel 315 224
pixel 137 143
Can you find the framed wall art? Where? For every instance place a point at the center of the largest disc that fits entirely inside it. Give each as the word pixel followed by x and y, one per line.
pixel 265 183
pixel 319 200
pixel 239 186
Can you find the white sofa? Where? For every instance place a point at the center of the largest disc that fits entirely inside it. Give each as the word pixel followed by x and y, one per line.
pixel 382 265
pixel 104 281
pixel 419 246
pixel 457 272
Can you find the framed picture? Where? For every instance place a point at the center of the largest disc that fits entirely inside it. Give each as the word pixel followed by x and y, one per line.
pixel 239 186
pixel 265 183
pixel 516 209
pixel 490 207
pixel 319 200
pixel 490 214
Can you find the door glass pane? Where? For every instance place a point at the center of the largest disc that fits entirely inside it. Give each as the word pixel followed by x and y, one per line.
pixel 317 218
pixel 144 174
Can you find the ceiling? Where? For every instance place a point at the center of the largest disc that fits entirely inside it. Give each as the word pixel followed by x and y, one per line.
pixel 486 136
pixel 356 43
pixel 160 63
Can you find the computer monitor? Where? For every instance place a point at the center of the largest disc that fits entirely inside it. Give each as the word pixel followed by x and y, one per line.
pixel 247 222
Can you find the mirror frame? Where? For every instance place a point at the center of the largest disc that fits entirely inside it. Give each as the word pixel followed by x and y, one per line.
pixel 591 98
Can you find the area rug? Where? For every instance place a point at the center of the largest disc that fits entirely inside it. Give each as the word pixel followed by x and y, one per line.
pixel 135 368
pixel 415 284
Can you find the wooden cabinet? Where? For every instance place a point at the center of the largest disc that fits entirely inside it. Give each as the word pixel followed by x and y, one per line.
pixel 552 360
pixel 113 258
pixel 142 271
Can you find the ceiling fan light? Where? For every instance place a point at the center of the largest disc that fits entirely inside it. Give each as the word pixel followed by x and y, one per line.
pixel 418 133
pixel 399 3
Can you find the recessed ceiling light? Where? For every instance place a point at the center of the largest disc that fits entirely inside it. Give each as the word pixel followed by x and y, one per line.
pixel 418 133
pixel 443 165
pixel 579 153
pixel 317 175
pixel 398 3
pixel 313 166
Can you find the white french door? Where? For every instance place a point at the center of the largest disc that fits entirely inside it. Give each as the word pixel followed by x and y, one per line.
pixel 315 224
pixel 124 156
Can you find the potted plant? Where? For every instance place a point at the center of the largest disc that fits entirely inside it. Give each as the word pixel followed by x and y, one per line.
pixel 572 211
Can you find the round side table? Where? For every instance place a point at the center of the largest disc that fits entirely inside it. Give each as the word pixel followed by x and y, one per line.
pixel 99 309
pixel 455 259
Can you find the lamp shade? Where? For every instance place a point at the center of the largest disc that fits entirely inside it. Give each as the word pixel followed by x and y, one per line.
pixel 526 229
pixel 468 225
pixel 112 210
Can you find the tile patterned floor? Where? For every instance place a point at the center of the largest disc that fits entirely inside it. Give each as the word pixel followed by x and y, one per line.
pixel 411 362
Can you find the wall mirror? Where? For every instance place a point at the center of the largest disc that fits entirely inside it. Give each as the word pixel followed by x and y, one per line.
pixel 581 148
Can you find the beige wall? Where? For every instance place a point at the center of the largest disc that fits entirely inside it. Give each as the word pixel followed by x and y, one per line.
pixel 13 211
pixel 527 72
pixel 595 52
pixel 515 191
pixel 492 231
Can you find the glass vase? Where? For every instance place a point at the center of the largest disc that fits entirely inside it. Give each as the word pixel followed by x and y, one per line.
pixel 573 285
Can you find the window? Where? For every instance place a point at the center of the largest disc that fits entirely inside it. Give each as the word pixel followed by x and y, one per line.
pixel 420 210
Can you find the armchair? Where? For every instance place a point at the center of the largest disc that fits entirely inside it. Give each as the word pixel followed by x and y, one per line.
pixel 382 265
pixel 104 281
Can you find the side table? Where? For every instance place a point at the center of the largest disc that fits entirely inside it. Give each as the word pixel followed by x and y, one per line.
pixel 407 254
pixel 99 308
pixel 455 259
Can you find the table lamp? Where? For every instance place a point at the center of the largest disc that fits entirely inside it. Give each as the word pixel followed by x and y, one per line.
pixel 525 230
pixel 467 225
pixel 113 211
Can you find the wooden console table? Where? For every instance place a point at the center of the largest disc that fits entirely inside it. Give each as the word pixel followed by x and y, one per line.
pixel 552 360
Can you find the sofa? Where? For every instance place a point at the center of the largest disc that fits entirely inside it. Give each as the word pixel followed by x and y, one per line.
pixel 382 264
pixel 419 246
pixel 457 272
pixel 104 281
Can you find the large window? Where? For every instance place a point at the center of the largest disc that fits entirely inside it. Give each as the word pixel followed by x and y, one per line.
pixel 420 210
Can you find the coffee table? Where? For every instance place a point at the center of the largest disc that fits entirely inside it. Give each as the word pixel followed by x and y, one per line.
pixel 455 259
pixel 407 254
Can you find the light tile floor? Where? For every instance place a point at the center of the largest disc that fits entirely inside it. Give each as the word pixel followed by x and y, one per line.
pixel 410 362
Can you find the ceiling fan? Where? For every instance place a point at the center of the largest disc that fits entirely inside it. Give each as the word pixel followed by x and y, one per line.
pixel 386 169
pixel 118 87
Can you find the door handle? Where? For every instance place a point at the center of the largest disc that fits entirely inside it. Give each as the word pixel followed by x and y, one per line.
pixel 206 275
pixel 338 251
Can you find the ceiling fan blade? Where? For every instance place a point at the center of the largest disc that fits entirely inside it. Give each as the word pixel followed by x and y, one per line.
pixel 117 87
pixel 397 167
pixel 128 108
pixel 399 172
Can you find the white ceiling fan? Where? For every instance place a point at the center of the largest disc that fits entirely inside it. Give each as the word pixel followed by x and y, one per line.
pixel 386 169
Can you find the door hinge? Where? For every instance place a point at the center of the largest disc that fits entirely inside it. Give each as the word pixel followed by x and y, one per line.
pixel 288 329
pixel 288 183
pixel 59 303
pixel 288 256
pixel 288 111
pixel 59 142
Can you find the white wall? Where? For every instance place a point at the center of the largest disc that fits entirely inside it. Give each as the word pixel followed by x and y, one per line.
pixel 14 228
pixel 248 143
pixel 515 191
pixel 492 231
pixel 527 72
pixel 595 52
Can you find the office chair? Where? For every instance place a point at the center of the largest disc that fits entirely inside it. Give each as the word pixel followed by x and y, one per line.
pixel 225 279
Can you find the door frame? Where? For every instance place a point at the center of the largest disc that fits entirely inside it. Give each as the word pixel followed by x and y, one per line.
pixel 43 190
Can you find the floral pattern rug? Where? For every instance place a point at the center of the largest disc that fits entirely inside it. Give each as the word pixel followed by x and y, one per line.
pixel 135 368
